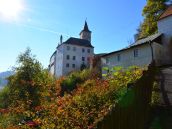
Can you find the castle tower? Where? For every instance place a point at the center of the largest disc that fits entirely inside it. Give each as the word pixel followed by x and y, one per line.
pixel 85 33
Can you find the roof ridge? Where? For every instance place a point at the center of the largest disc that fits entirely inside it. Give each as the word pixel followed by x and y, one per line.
pixel 78 41
pixel 166 13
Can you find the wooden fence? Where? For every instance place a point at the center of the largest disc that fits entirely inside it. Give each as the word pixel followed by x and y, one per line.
pixel 133 111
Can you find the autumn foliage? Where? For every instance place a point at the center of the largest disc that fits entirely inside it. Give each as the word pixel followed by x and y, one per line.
pixel 78 101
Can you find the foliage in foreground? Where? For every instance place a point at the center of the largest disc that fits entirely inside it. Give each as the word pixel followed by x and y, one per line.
pixel 89 102
pixel 36 99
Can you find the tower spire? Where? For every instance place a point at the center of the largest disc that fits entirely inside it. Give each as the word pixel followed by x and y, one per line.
pixel 86 27
pixel 85 33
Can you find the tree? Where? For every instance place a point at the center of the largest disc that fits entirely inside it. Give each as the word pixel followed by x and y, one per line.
pixel 151 13
pixel 29 85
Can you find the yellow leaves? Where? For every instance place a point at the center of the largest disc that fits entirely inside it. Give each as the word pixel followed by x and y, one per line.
pixel 78 114
pixel 29 114
pixel 45 94
pixel 29 102
pixel 37 120
pixel 60 109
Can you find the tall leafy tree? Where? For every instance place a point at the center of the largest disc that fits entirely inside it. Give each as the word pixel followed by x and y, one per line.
pixel 29 85
pixel 151 13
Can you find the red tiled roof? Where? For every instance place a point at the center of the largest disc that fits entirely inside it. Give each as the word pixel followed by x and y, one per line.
pixel 166 13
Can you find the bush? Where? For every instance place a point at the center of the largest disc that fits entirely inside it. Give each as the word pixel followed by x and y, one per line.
pixel 88 103
pixel 71 81
pixel 4 97
pixel 9 121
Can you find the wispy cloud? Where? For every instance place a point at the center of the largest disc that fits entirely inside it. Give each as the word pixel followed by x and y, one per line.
pixel 43 29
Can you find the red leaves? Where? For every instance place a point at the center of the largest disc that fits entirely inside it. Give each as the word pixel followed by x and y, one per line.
pixel 32 124
pixel 38 108
pixel 4 111
pixel 31 83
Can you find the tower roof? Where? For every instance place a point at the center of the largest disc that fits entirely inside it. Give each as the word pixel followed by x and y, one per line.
pixel 86 29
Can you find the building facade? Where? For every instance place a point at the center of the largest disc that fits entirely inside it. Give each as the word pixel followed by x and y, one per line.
pixel 165 27
pixel 73 54
pixel 141 53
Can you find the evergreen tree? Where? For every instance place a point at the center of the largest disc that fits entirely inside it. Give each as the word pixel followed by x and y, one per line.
pixel 151 13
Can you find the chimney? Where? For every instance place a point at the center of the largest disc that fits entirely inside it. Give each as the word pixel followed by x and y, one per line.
pixel 61 39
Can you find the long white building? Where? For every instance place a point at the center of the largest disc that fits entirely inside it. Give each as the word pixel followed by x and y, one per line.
pixel 157 48
pixel 73 54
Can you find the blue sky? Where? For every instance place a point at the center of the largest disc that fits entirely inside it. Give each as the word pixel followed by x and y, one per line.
pixel 40 23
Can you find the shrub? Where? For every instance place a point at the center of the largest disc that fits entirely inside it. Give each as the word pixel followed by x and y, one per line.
pixel 70 82
pixel 9 121
pixel 4 97
pixel 155 100
pixel 88 103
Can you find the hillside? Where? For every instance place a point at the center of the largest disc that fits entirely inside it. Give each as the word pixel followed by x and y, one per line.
pixel 3 77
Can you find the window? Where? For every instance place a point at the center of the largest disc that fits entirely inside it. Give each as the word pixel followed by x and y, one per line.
pixel 67 65
pixel 74 48
pixel 107 61
pixel 136 53
pixel 67 57
pixel 118 57
pixel 74 57
pixel 83 58
pixel 73 65
pixel 88 50
pixel 83 50
pixel 68 47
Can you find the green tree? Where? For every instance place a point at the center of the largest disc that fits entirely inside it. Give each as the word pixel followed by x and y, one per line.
pixel 29 85
pixel 151 13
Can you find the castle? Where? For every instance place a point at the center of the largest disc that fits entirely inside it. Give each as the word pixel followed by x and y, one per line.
pixel 73 54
